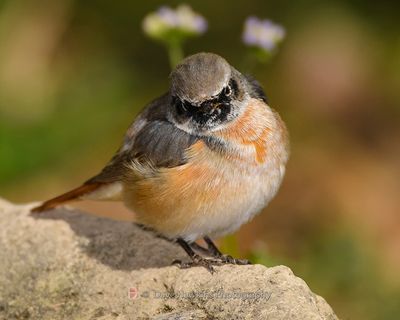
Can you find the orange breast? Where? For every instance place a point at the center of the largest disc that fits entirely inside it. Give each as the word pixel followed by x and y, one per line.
pixel 249 130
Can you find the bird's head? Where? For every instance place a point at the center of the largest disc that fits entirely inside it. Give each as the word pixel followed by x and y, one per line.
pixel 207 93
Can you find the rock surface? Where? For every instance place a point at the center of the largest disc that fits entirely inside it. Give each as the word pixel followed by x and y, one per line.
pixel 66 264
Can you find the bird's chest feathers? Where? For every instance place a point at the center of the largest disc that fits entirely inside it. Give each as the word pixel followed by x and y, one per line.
pixel 251 152
pixel 255 138
pixel 220 187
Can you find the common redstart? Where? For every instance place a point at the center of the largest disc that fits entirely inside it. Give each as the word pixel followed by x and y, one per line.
pixel 197 162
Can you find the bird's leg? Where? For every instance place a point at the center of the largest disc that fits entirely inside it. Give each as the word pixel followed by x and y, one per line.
pixel 197 260
pixel 225 258
pixel 200 249
pixel 211 250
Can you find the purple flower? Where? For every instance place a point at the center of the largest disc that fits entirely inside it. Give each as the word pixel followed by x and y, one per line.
pixel 263 34
pixel 182 20
pixel 168 16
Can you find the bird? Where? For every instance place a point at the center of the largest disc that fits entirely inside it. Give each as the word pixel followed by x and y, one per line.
pixel 197 162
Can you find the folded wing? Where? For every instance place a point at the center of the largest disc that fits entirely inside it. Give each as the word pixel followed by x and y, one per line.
pixel 150 141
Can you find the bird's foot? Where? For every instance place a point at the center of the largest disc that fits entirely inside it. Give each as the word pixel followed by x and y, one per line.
pixel 209 263
pixel 199 261
pixel 224 258
pixel 228 259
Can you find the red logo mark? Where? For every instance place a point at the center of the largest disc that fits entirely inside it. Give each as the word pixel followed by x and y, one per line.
pixel 133 293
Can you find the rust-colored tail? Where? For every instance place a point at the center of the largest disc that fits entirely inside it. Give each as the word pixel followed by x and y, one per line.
pixel 68 196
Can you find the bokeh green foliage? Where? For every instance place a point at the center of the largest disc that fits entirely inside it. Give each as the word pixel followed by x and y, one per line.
pixel 345 274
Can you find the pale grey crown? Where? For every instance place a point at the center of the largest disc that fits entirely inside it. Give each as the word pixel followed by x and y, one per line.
pixel 200 77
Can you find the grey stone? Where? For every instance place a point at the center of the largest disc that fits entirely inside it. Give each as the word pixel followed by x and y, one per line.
pixel 66 264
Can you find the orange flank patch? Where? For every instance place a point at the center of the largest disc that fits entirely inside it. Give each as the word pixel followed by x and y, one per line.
pixel 170 201
pixel 180 178
pixel 259 145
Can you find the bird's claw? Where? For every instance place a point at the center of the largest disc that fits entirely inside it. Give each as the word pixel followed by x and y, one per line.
pixel 199 261
pixel 228 259
pixel 209 263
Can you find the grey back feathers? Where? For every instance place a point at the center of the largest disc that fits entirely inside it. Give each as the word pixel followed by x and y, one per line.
pixel 255 89
pixel 151 139
pixel 200 77
pixel 162 144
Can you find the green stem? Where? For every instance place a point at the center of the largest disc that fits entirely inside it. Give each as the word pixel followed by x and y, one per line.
pixel 175 53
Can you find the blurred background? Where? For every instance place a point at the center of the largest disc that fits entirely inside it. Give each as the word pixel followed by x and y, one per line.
pixel 73 74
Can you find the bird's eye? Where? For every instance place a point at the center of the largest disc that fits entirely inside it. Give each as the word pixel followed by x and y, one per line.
pixel 227 91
